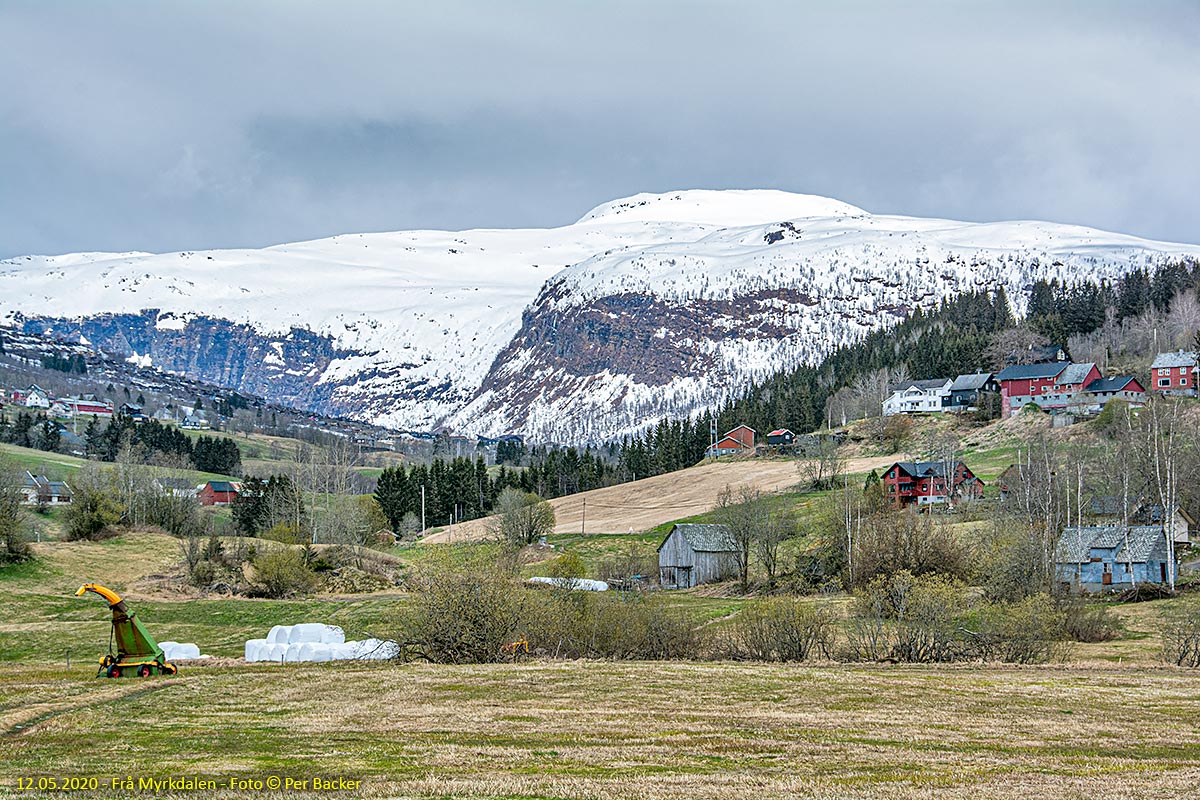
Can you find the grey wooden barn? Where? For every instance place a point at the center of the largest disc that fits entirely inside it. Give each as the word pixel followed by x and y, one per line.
pixel 695 554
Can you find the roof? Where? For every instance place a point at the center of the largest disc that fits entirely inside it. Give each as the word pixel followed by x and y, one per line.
pixel 1146 542
pixel 224 486
pixel 1181 358
pixel 705 538
pixel 974 380
pixel 933 383
pixel 780 432
pixel 1116 383
pixel 1076 373
pixel 737 443
pixel 921 469
pixel 1021 372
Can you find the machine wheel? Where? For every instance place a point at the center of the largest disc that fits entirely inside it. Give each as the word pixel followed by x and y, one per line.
pixel 170 669
pixel 144 671
pixel 114 671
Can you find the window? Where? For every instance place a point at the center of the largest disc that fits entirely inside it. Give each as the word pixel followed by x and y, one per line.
pixel 1164 381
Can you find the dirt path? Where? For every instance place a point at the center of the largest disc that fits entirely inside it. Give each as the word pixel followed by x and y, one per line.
pixel 641 505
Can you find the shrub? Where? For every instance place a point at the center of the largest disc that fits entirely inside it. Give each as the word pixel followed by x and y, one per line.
pixel 521 518
pixel 1089 622
pixel 280 573
pixel 94 509
pixel 779 629
pixel 1181 635
pixel 283 532
pixel 908 618
pixel 463 617
pixel 1026 632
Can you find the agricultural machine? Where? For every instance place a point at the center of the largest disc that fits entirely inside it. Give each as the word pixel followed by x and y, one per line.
pixel 137 652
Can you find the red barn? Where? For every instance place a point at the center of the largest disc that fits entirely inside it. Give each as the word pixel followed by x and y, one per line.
pixel 743 434
pixel 924 483
pixel 1054 385
pixel 219 493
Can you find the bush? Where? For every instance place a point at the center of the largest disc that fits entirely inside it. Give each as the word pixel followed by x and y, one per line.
pixel 908 618
pixel 285 533
pixel 281 573
pixel 779 629
pixel 1026 632
pixel 463 617
pixel 1089 622
pixel 1181 635
pixel 893 542
pixel 94 509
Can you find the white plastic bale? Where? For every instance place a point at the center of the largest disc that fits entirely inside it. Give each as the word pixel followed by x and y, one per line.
pixel 332 634
pixel 306 632
pixel 254 649
pixel 184 650
pixel 279 634
pixel 344 651
pixel 273 652
pixel 292 653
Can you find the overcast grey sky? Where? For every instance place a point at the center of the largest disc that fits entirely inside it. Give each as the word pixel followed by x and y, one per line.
pixel 168 126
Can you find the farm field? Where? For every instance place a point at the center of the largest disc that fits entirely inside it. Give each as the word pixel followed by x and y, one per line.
pixel 602 729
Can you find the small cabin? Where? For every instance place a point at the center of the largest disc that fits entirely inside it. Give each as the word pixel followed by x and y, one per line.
pixel 781 438
pixel 695 554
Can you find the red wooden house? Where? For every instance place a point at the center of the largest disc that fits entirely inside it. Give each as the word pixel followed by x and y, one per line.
pixel 924 483
pixel 218 493
pixel 1175 373
pixel 743 434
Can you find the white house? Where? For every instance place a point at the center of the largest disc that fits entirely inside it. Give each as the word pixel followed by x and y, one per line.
pixel 35 397
pixel 918 397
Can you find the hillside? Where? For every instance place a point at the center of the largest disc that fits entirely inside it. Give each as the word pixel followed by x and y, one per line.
pixel 656 305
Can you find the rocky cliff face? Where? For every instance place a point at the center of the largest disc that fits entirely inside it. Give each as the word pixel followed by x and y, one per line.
pixel 283 369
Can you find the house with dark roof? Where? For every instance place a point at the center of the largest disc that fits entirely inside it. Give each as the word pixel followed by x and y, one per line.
pixel 780 437
pixel 39 490
pixel 917 397
pixel 1052 386
pixel 176 487
pixel 695 554
pixel 1118 387
pixel 1175 373
pixel 1100 558
pixel 965 391
pixel 219 493
pixel 926 483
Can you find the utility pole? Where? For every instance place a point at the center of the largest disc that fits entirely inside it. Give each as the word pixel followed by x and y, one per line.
pixel 583 524
pixel 422 508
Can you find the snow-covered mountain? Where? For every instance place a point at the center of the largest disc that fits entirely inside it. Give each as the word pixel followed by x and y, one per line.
pixel 650 305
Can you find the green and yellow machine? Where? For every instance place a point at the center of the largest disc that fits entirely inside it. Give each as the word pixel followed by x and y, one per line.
pixel 137 652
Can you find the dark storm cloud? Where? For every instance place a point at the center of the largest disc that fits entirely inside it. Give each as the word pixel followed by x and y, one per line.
pixel 165 126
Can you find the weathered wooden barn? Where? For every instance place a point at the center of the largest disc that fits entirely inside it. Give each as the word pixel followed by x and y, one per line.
pixel 695 554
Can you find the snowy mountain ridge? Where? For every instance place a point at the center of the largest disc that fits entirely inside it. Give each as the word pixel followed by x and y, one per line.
pixel 649 305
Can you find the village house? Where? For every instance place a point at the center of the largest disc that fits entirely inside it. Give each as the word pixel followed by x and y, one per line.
pixel 738 440
pixel 744 434
pixel 1121 387
pixel 781 437
pixel 917 397
pixel 194 422
pixel 1101 558
pixel 1174 374
pixel 696 554
pixel 176 487
pixel 924 483
pixel 33 397
pixel 219 493
pixel 1052 386
pixel 40 490
pixel 966 390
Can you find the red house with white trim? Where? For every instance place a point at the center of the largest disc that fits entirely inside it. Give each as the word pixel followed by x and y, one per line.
pixel 1174 373
pixel 924 483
